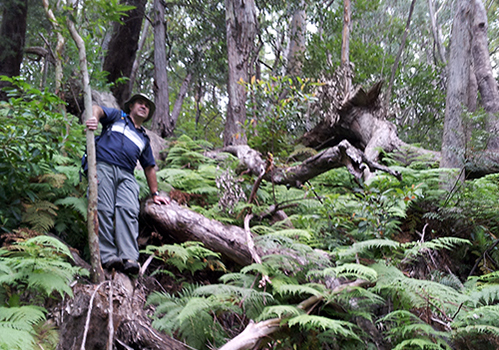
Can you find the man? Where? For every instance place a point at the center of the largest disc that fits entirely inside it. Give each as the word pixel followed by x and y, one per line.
pixel 122 142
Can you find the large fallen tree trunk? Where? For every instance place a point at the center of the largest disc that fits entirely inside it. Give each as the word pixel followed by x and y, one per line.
pixel 359 120
pixel 183 224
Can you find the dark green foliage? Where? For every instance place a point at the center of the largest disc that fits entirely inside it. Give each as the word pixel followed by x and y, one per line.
pixel 33 134
pixel 273 121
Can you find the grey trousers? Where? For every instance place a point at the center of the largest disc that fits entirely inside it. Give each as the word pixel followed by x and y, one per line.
pixel 118 211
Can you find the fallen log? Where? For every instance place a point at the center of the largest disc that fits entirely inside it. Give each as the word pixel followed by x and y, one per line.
pixel 254 332
pixel 341 155
pixel 183 225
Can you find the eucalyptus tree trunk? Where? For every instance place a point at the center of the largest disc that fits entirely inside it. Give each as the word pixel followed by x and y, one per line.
pixel 437 33
pixel 345 46
pixel 487 84
pixel 296 40
pixel 161 123
pixel 136 62
pixel 12 35
pixel 240 17
pixel 97 273
pixel 397 58
pixel 454 138
pixel 122 49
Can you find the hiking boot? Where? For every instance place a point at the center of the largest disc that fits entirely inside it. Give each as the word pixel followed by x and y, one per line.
pixel 131 267
pixel 113 263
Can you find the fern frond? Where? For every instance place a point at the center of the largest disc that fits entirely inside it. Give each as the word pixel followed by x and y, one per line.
pixel 487 295
pixel 412 292
pixel 399 316
pixel 358 298
pixel 262 230
pixel 299 235
pixel 312 322
pixel 190 256
pixel 417 329
pixel 361 247
pixel 421 343
pixel 40 215
pixel 39 264
pixel 16 326
pixel 485 315
pixel 253 301
pixel 299 289
pixel 349 271
pixel 237 279
pixel 280 311
pixel 476 329
pixel 415 249
pixel 79 204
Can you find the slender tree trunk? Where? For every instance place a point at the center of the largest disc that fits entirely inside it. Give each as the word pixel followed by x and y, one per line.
pixel 59 48
pixel 161 123
pixel 487 84
pixel 240 17
pixel 454 138
pixel 296 40
pixel 97 273
pixel 122 49
pixel 437 33
pixel 177 106
pixel 397 58
pixel 12 35
pixel 345 47
pixel 136 62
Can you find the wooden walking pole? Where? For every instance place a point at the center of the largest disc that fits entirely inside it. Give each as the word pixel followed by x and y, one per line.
pixel 97 273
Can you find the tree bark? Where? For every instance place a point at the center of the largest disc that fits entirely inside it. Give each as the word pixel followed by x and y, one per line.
pixel 183 225
pixel 13 36
pixel 59 49
pixel 161 123
pixel 240 16
pixel 345 47
pixel 177 106
pixel 131 324
pixel 399 55
pixel 136 62
pixel 437 33
pixel 122 49
pixel 453 143
pixel 296 46
pixel 487 84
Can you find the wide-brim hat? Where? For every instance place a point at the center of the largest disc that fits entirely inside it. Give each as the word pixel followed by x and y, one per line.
pixel 152 106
